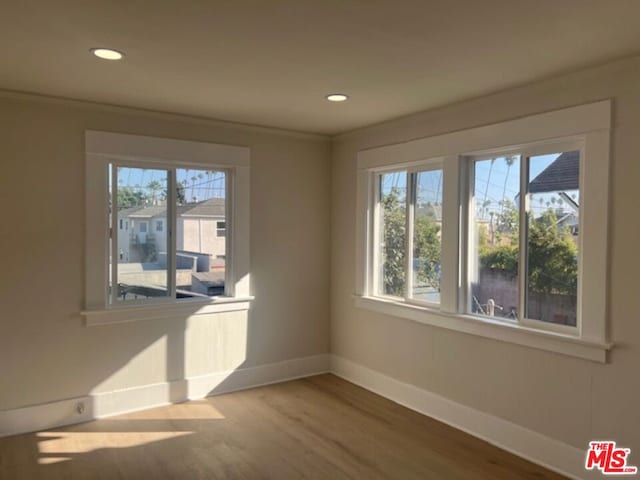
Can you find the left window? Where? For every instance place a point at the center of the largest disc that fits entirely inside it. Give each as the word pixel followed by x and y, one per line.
pixel 408 228
pixel 171 196
pixel 187 261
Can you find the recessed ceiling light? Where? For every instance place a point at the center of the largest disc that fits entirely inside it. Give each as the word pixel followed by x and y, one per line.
pixel 337 97
pixel 107 53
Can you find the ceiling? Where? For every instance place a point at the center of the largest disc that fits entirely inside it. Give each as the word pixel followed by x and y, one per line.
pixel 271 62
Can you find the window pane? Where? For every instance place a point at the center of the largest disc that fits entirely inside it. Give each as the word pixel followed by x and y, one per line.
pixel 494 237
pixel 141 252
pixel 552 240
pixel 393 215
pixel 201 252
pixel 426 236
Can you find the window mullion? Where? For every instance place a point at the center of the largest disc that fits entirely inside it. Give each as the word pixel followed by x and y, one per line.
pixel 229 274
pixel 452 256
pixel 410 209
pixel 373 280
pixel 172 200
pixel 114 234
pixel 523 237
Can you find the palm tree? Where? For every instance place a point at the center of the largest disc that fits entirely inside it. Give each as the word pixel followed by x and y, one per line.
pixel 193 187
pixel 154 186
pixel 486 190
pixel 510 160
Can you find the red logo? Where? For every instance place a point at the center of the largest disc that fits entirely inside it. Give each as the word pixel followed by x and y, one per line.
pixel 604 455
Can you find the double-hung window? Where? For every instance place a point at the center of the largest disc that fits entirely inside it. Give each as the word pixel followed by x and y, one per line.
pixel 171 261
pixel 498 231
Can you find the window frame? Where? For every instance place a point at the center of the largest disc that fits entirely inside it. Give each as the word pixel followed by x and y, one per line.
pixel 411 173
pixel 104 148
pixel 524 154
pixel 585 128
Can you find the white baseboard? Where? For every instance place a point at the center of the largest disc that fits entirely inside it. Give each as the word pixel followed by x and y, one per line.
pixel 106 404
pixel 535 447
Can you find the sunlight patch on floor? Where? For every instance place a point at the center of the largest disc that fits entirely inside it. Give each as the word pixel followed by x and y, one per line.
pixel 52 460
pixel 194 410
pixel 82 442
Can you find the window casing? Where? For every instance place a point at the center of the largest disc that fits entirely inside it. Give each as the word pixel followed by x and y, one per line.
pixel 580 328
pixel 107 153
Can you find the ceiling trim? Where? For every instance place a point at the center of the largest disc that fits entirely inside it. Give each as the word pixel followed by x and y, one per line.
pixel 159 114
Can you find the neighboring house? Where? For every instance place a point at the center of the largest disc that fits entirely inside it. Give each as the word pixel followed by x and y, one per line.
pixel 562 176
pixel 142 231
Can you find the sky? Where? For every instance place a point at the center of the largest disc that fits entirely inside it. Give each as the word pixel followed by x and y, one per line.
pixel 494 181
pixel 200 184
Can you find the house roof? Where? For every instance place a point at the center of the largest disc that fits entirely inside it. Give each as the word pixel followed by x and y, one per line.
pixel 214 207
pixel 561 175
pixel 144 211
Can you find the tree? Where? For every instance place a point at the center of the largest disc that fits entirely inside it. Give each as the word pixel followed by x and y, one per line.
pixel 180 194
pixel 130 197
pixel 509 160
pixel 394 235
pixel 426 245
pixel 426 252
pixel 181 198
pixel 154 186
pixel 552 252
pixel 553 256
pixel 508 219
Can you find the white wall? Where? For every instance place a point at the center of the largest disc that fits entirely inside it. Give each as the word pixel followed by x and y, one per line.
pixel 562 397
pixel 47 354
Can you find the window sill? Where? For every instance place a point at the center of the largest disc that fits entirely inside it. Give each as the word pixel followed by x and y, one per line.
pixel 493 329
pixel 183 309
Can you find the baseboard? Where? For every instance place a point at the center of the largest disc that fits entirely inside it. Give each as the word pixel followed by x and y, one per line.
pixel 535 447
pixel 542 450
pixel 106 404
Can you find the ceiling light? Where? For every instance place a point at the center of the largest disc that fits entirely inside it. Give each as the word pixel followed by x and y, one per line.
pixel 107 53
pixel 337 97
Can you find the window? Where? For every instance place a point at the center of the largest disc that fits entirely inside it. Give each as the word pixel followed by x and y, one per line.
pixel 221 229
pixel 147 182
pixel 158 265
pixel 409 227
pixel 498 231
pixel 524 243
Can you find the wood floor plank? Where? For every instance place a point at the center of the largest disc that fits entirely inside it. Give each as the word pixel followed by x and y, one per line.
pixel 315 428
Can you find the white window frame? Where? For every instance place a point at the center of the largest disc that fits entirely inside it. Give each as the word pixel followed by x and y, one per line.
pixel 104 148
pixel 411 171
pixel 587 128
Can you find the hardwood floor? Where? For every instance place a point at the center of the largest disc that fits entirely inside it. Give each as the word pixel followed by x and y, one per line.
pixel 320 427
